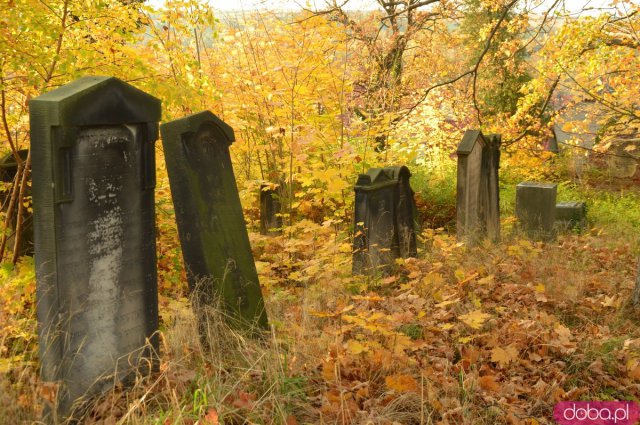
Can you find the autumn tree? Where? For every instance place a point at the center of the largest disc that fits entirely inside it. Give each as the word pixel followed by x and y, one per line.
pixel 44 45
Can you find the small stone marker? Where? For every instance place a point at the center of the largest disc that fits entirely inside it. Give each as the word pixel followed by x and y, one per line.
pixel 571 215
pixel 8 171
pixel 213 233
pixel 536 209
pixel 478 202
pixel 384 219
pixel 270 219
pixel 93 162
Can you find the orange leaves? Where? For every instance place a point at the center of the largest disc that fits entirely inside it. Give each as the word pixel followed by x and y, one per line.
pixel 402 383
pixel 489 383
pixel 211 418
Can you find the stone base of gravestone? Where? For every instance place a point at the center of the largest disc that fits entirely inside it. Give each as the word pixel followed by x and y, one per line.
pixel 571 215
pixel 270 207
pixel 8 171
pixel 536 209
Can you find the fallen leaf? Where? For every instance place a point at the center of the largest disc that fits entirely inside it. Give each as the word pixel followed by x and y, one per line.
pixel 475 319
pixel 489 383
pixel 291 420
pixel 211 417
pixel 504 356
pixel 402 383
pixel 355 348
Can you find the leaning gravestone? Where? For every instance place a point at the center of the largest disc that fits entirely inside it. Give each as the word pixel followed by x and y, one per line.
pixel 270 218
pixel 93 162
pixel 384 219
pixel 478 202
pixel 211 226
pixel 8 171
pixel 536 209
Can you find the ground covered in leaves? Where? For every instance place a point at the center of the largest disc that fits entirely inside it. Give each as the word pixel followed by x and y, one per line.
pixel 497 333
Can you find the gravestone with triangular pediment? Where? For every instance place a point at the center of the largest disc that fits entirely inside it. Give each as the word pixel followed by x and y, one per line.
pixel 478 202
pixel 93 165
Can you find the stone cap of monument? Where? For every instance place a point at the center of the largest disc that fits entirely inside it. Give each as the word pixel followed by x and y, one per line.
pixel 98 101
pixel 190 122
pixel 469 140
pixel 397 172
pixel 377 178
pixel 538 185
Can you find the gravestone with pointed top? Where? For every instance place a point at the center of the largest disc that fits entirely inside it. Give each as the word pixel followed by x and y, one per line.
pixel 93 162
pixel 478 202
pixel 213 234
pixel 384 220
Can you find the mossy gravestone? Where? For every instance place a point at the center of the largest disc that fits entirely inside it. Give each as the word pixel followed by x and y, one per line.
pixel 384 220
pixel 478 203
pixel 93 165
pixel 211 226
pixel 536 209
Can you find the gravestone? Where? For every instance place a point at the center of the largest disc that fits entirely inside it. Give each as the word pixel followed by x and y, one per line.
pixel 8 171
pixel 405 209
pixel 270 218
pixel 93 162
pixel 536 209
pixel 384 219
pixel 213 234
pixel 571 215
pixel 477 199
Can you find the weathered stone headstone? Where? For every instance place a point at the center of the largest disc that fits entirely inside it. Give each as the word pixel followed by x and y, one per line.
pixel 384 219
pixel 571 215
pixel 405 211
pixel 536 209
pixel 492 182
pixel 270 218
pixel 8 171
pixel 211 226
pixel 93 161
pixel 478 202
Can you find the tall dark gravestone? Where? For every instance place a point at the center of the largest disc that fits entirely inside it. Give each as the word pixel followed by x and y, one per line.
pixel 93 162
pixel 536 209
pixel 478 202
pixel 211 226
pixel 384 219
pixel 270 219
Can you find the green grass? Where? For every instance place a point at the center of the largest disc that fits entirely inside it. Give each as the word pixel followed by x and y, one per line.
pixel 436 197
